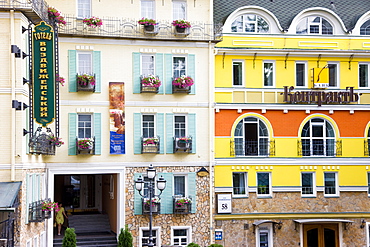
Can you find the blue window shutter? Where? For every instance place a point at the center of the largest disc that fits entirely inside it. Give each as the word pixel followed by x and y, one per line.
pixel 169 136
pixel 97 70
pixel 191 71
pixel 136 72
pixel 192 189
pixel 72 127
pixel 160 131
pixel 137 133
pixel 192 130
pixel 166 197
pixel 97 133
pixel 168 73
pixel 72 70
pixel 138 208
pixel 159 70
pixel 27 197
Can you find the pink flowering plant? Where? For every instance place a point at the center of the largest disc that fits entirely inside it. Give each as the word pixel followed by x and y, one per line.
pixel 150 140
pixel 184 139
pixel 85 79
pixel 60 79
pixel 147 22
pixel 93 22
pixel 155 200
pixel 183 201
pixel 56 141
pixel 85 143
pixel 181 23
pixel 151 81
pixel 183 81
pixel 49 206
pixel 53 13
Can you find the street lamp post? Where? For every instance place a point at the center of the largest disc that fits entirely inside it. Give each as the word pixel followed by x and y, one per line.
pixel 161 185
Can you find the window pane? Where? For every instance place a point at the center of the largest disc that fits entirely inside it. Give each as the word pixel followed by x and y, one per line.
pixel 263 183
pixel 330 183
pixel 237 25
pixel 83 8
pixel 307 183
pixel 365 30
pixel 332 75
pixel 317 131
pixel 84 64
pixel 363 75
pixel 84 126
pixel 239 186
pixel 147 63
pixel 148 126
pixel 326 27
pixel 179 10
pixel 268 72
pixel 180 126
pixel 237 73
pixel 300 74
pixel 179 67
pixel 147 9
pixel 179 185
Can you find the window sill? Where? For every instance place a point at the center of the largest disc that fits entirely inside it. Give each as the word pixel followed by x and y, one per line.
pixel 264 197
pixel 240 196
pixel 331 196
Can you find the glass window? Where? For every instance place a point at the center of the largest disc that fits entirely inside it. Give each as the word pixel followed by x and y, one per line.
pixel 84 126
pixel 147 65
pixel 363 75
pixel 250 23
pixel 148 126
pixel 300 74
pixel 84 63
pixel 239 183
pixel 333 74
pixel 263 184
pixel 180 126
pixel 145 237
pixel 314 25
pixel 365 28
pixel 368 183
pixel 330 183
pixel 307 179
pixel 83 8
pixel 264 235
pixel 237 73
pixel 147 9
pixel 268 74
pixel 179 185
pixel 179 10
pixel 180 236
pixel 318 138
pixel 179 66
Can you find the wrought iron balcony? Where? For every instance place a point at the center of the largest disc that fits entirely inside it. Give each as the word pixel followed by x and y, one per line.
pixel 319 147
pixel 35 212
pixel 35 10
pixel 182 205
pixel 262 147
pixel 40 143
pixel 85 145
pixel 182 144
pixel 130 28
pixel 150 145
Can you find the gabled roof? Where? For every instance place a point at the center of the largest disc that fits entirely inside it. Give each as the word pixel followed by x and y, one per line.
pixel 285 10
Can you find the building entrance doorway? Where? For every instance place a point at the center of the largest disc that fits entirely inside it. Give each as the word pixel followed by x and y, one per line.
pixel 320 235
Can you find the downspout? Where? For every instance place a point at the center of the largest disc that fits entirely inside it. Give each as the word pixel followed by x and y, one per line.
pixel 12 80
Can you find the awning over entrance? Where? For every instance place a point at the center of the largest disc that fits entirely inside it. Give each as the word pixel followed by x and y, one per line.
pixel 8 195
pixel 303 221
pixel 259 222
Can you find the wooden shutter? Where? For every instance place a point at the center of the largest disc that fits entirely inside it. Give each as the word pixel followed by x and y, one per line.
pixel 97 70
pixel 192 130
pixel 97 133
pixel 136 72
pixel 191 71
pixel 137 133
pixel 72 128
pixel 169 134
pixel 72 70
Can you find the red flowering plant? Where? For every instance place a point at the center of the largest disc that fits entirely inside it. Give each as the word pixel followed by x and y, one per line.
pixel 56 141
pixel 147 22
pixel 85 79
pixel 155 200
pixel 93 22
pixel 183 201
pixel 184 139
pixel 150 81
pixel 183 81
pixel 150 140
pixel 53 13
pixel 49 206
pixel 60 79
pixel 85 143
pixel 181 23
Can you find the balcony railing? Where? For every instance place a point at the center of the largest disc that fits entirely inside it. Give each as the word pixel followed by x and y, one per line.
pixel 129 28
pixel 262 147
pixel 182 144
pixel 319 147
pixel 36 10
pixel 150 145
pixel 40 143
pixel 35 212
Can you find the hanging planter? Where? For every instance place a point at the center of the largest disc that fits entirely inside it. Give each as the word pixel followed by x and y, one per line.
pixel 148 24
pixel 181 26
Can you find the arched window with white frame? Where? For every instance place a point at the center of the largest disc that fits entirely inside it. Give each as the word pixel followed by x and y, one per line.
pixel 314 25
pixel 250 23
pixel 365 28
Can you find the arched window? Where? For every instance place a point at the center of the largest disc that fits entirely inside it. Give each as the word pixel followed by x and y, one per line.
pixel 314 25
pixel 250 23
pixel 251 138
pixel 365 28
pixel 318 138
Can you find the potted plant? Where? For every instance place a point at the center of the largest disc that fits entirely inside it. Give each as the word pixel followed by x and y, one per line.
pixel 184 139
pixel 183 202
pixel 154 203
pixel 150 83
pixel 183 83
pixel 150 141
pixel 148 24
pixel 85 143
pixel 48 205
pixel 93 22
pixel 181 25
pixel 85 80
pixel 54 14
pixel 60 79
pixel 55 141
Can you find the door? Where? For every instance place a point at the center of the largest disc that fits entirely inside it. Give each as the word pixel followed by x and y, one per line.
pixel 251 137
pixel 320 235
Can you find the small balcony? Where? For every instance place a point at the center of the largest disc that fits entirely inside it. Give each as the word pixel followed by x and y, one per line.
pixel 85 145
pixel 155 205
pixel 319 147
pixel 182 144
pixel 150 145
pixel 85 82
pixel 182 205
pixel 42 142
pixel 36 11
pixel 36 213
pixel 261 147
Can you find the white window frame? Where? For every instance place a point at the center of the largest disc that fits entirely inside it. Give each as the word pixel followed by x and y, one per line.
pixel 92 125
pixel 270 186
pixel 43 239
pixel 29 242
pixel 245 22
pixel 367 233
pixel 305 73
pixel 176 13
pixel 337 75
pixel 188 230
pixel 362 27
pixel 186 125
pixel 368 75
pixel 246 185
pixel 154 128
pixel 310 23
pixel 82 68
pixel 84 12
pixel 186 183
pixel 336 185
pixel 157 236
pixel 273 73
pixel 368 184
pixel 150 64
pixel 242 73
pixel 313 185
pixel 147 9
pixel 36 242
pixel 266 227
pixel 179 69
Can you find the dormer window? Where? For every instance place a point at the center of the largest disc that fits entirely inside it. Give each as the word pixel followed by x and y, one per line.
pixel 365 28
pixel 314 25
pixel 250 23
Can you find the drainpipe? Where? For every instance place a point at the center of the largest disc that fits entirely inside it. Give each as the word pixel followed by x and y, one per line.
pixel 12 80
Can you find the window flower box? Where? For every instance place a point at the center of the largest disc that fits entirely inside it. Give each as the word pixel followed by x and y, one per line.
pixel 182 205
pixel 183 144
pixel 181 27
pixel 150 145
pixel 93 22
pixel 155 204
pixel 85 146
pixel 148 25
pixel 86 82
pixel 182 84
pixel 149 84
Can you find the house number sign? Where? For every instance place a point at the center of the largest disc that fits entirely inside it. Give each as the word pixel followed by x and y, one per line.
pixel 224 203
pixel 43 74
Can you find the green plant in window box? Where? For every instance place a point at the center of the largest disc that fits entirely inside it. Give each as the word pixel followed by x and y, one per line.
pixel 85 79
pixel 85 143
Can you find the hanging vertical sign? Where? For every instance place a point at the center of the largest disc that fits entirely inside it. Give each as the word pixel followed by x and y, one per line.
pixel 117 117
pixel 43 72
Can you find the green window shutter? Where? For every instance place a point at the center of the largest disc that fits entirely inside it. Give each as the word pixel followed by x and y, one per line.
pixel 191 71
pixel 159 70
pixel 97 133
pixel 160 131
pixel 169 136
pixel 97 70
pixel 72 128
pixel 168 73
pixel 192 189
pixel 136 72
pixel 192 130
pixel 72 70
pixel 166 197
pixel 137 133
pixel 34 188
pixel 138 207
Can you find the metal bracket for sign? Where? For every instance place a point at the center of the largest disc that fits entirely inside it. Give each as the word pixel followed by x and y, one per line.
pixel 30 79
